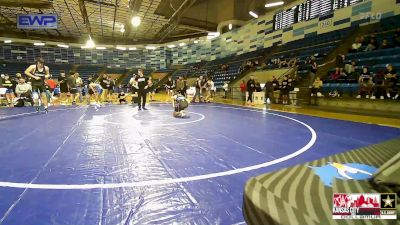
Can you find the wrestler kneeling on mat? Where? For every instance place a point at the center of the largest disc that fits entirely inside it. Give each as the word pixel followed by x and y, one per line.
pixel 179 103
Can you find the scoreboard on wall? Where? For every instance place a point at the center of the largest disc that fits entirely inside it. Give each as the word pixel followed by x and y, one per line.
pixel 308 10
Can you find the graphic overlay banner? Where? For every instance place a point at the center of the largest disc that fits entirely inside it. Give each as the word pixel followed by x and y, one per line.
pixel 364 206
pixel 37 21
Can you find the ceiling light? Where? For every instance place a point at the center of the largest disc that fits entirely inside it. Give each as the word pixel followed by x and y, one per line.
pixel 136 21
pixel 101 48
pixel 274 4
pixel 132 48
pixel 39 44
pixel 253 14
pixel 150 47
pixel 7 41
pixel 171 46
pixel 63 46
pixel 182 44
pixel 212 35
pixel 121 48
pixel 230 26
pixel 90 43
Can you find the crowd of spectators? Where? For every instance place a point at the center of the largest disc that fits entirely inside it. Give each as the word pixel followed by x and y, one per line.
pixel 381 84
pixel 18 90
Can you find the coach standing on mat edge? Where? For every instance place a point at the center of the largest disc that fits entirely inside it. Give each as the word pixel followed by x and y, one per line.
pixel 143 84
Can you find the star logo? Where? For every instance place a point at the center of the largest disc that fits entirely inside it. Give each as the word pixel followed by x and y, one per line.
pixel 388 201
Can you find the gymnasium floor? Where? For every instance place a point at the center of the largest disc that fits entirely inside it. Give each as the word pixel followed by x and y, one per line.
pixel 115 165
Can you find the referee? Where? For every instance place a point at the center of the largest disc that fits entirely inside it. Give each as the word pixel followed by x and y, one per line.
pixel 142 84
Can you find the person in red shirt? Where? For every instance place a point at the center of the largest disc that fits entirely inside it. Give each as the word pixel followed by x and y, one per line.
pixel 243 90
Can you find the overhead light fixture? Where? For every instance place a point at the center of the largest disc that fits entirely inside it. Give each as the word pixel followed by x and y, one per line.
pixel 253 14
pixel 274 4
pixel 121 48
pixel 132 48
pixel 38 44
pixel 171 46
pixel 90 43
pixel 150 47
pixel 230 26
pixel 136 21
pixel 212 35
pixel 101 48
pixel 182 44
pixel 7 41
pixel 63 46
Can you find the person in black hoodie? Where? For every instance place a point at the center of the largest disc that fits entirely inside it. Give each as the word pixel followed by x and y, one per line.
pixel 143 84
pixel 251 87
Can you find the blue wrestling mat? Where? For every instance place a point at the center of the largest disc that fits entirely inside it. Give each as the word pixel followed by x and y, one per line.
pixel 115 165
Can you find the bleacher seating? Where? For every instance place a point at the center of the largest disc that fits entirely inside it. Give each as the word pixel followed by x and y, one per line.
pixel 86 70
pixel 375 60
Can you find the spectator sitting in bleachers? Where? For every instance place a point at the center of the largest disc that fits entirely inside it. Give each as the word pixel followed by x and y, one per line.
pixel 365 82
pixel 356 46
pixel 24 91
pixel 396 38
pixel 385 44
pixel 364 42
pixel 379 90
pixel 390 82
pixel 339 67
pixel 351 70
pixel 316 87
pixel 372 45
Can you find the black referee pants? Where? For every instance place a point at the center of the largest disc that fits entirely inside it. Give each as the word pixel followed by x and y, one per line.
pixel 142 98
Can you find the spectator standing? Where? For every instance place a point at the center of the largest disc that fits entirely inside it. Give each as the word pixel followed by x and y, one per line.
pixel 169 87
pixel 276 89
pixel 63 82
pixel 225 87
pixel 142 89
pixel 251 87
pixel 9 93
pixel 79 86
pixel 180 85
pixel 72 88
pixel 198 86
pixel 285 90
pixel 243 89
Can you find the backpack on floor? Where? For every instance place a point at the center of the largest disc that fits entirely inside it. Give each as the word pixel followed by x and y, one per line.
pixel 19 103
